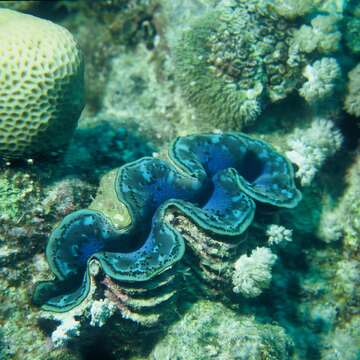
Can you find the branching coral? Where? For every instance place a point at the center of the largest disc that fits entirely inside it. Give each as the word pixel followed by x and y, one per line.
pixel 253 273
pixel 311 147
pixel 352 99
pixel 213 180
pixel 322 77
pixel 234 60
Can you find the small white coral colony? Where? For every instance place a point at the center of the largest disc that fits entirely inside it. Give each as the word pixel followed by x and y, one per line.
pixel 278 234
pixel 311 147
pixel 41 85
pixel 253 273
pixel 322 77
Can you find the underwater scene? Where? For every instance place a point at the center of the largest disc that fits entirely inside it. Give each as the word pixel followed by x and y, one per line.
pixel 180 180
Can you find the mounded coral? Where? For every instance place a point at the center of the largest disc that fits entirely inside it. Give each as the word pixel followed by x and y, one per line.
pixel 352 99
pixel 211 331
pixel 234 60
pixel 42 92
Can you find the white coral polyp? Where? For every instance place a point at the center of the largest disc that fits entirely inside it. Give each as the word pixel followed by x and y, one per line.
pixel 253 273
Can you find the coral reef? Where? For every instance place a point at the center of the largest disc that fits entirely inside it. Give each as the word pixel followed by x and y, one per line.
pixel 234 60
pixel 306 304
pixel 310 148
pixel 352 99
pixel 42 93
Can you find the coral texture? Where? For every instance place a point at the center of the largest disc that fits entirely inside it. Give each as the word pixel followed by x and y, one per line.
pixel 41 72
pixel 234 60
pixel 352 26
pixel 344 220
pixel 213 180
pixel 212 331
pixel 19 5
pixel 352 99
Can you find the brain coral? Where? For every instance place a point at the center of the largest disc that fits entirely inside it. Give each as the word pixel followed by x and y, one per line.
pixel 42 88
pixel 234 60
pixel 213 179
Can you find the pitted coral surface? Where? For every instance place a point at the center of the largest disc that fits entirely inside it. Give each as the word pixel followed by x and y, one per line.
pixel 213 179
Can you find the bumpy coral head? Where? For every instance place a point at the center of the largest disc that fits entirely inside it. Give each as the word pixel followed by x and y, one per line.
pixel 41 85
pixel 233 60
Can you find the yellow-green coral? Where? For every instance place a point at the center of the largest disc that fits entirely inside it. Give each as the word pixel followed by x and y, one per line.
pixel 41 75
